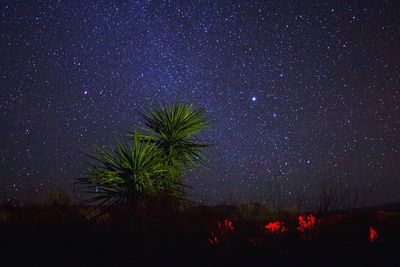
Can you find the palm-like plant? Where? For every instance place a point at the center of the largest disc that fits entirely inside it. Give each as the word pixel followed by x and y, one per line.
pixel 127 175
pixel 174 130
pixel 153 165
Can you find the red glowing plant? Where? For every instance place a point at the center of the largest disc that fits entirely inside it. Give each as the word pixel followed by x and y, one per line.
pixel 227 225
pixel 275 227
pixel 223 228
pixel 306 223
pixel 373 235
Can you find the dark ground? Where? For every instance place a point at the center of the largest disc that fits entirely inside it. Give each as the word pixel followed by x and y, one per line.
pixel 62 236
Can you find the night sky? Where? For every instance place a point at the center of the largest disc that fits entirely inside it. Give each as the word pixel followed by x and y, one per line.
pixel 296 91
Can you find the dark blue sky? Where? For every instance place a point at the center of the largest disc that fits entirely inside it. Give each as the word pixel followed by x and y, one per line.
pixel 297 90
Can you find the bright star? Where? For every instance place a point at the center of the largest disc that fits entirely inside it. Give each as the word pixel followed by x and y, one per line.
pixel 253 98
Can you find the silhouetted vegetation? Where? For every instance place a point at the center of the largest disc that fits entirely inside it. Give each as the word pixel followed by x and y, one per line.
pixel 146 171
pixel 63 235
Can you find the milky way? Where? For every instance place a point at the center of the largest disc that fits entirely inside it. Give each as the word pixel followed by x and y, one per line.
pixel 296 91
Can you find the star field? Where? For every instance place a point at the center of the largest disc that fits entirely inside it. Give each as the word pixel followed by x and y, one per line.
pixel 295 90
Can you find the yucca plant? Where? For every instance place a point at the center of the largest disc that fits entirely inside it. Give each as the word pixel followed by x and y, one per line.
pixel 127 175
pixel 150 169
pixel 174 130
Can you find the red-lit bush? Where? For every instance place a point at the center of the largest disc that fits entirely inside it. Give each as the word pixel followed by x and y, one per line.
pixel 223 228
pixel 373 235
pixel 275 227
pixel 306 223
